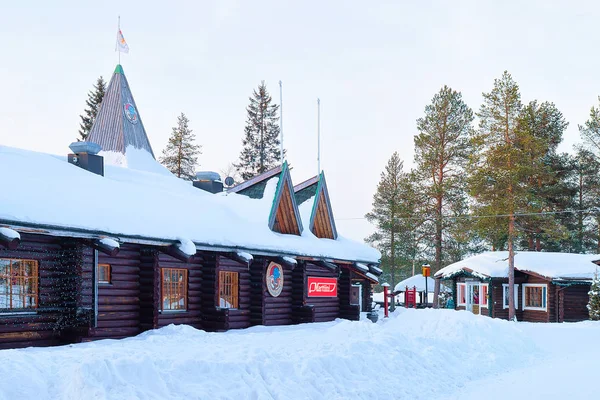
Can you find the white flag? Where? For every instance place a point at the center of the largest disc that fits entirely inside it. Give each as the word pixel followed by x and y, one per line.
pixel 121 43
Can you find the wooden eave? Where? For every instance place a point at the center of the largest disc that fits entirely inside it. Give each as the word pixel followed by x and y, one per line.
pixel 285 217
pixel 322 223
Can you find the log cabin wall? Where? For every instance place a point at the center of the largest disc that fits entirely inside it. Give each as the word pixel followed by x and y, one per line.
pixel 193 314
pixel 302 313
pixel 574 302
pixel 347 310
pixel 326 308
pixel 149 289
pixel 56 284
pixel 119 298
pixel 214 317
pixel 264 308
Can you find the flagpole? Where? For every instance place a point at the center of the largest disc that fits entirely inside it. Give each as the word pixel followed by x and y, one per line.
pixel 119 30
pixel 281 120
pixel 318 137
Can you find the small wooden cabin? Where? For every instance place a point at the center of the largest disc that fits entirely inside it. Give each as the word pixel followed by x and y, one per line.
pixel 549 287
pixel 106 257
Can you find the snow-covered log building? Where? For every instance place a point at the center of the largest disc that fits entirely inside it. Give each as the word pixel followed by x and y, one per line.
pixel 549 287
pixel 106 243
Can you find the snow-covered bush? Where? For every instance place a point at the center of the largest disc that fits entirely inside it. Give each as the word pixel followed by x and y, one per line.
pixel 594 304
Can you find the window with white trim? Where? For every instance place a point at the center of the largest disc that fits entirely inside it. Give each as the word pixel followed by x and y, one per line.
pixel 483 295
pixel 505 296
pixel 461 294
pixel 535 296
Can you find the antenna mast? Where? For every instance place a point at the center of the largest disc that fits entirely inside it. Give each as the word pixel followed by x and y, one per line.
pixel 318 136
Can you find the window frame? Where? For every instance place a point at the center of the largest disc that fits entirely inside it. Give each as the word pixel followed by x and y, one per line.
pixel 235 289
pixel 109 269
pixel 505 297
pixel 483 300
pixel 544 287
pixel 35 293
pixel 184 284
pixel 458 298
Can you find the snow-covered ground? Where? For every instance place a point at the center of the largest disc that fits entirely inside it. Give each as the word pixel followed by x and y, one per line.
pixel 415 354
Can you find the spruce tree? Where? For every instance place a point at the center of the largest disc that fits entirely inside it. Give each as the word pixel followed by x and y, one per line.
pixel 181 154
pixel 260 150
pixel 590 131
pixel 442 147
pixel 594 302
pixel 587 201
pixel 396 219
pixel 93 103
pixel 497 166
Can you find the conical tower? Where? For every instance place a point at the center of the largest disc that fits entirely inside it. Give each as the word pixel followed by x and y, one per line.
pixel 118 127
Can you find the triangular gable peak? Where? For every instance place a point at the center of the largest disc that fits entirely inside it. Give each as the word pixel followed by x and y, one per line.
pixel 322 223
pixel 284 216
pixel 118 127
pixel 255 187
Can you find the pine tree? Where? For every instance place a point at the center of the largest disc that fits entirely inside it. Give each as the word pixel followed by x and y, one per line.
pixel 261 141
pixel 441 150
pixel 395 217
pixel 587 201
pixel 590 131
pixel 594 303
pixel 497 168
pixel 93 102
pixel 181 154
pixel 548 186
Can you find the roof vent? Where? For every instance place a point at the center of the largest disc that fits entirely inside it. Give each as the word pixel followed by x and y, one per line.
pixel 85 155
pixel 209 181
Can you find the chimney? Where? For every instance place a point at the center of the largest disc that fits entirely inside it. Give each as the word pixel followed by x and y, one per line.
pixel 85 155
pixel 209 181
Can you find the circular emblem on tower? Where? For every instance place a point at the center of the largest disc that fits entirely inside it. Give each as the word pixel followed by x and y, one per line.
pixel 130 113
pixel 274 279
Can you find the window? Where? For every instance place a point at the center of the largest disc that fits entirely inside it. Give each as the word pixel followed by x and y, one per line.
pixel 534 296
pixel 18 284
pixel 483 299
pixel 461 296
pixel 103 273
pixel 174 289
pixel 228 289
pixel 505 296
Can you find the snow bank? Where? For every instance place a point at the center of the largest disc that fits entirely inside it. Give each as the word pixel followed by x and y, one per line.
pixel 552 265
pixel 416 354
pixel 418 281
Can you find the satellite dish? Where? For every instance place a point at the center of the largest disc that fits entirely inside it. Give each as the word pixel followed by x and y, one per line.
pixel 229 181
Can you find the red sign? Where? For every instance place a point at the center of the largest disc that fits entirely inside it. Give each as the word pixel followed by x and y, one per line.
pixel 322 287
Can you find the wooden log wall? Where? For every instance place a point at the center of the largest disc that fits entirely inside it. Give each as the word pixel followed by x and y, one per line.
pixel 535 315
pixel 119 300
pixel 221 319
pixel 193 315
pixel 149 290
pixel 326 308
pixel 347 310
pixel 42 327
pixel 301 313
pixel 574 303
pixel 264 308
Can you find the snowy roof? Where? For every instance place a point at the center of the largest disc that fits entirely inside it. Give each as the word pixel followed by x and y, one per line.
pixel 151 204
pixel 417 281
pixel 494 264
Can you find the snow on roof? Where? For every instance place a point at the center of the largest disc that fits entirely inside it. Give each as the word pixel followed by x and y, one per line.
pixel 418 281
pixel 134 202
pixel 494 264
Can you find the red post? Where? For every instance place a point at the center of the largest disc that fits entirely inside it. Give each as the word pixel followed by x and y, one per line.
pixel 385 299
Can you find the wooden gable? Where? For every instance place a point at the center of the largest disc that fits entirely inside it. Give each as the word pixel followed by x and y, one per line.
pixel 284 217
pixel 322 224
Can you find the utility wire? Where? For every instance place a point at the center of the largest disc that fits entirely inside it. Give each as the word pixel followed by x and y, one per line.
pixel 487 216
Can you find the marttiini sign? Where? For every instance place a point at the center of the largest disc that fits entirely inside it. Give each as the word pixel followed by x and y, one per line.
pixel 322 287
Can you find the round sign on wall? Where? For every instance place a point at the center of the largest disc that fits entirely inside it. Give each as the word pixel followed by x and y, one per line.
pixel 274 278
pixel 130 113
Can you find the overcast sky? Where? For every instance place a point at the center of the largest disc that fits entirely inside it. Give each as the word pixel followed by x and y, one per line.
pixel 375 65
